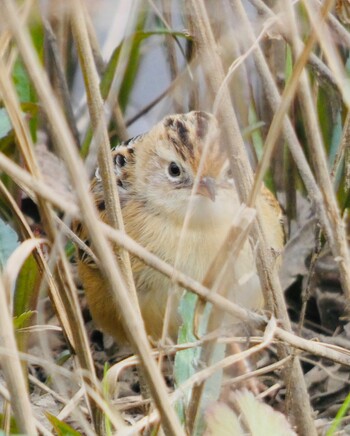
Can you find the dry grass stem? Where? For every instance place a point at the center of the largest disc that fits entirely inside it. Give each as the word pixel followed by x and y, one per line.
pixel 289 134
pixel 184 281
pixel 257 372
pixel 73 78
pixel 25 180
pixel 65 144
pixel 95 104
pixel 218 274
pixel 47 389
pixel 338 241
pixel 342 152
pixel 241 169
pixel 15 263
pixel 12 369
pixel 203 375
pixel 339 30
pixel 70 315
pixel 76 377
pixel 62 82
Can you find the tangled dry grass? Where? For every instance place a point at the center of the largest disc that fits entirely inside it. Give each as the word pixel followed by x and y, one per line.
pixel 78 77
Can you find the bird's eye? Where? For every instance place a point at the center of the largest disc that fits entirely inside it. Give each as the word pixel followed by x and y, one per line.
pixel 174 169
pixel 120 160
pixel 229 174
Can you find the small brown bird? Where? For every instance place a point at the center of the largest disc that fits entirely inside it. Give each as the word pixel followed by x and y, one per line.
pixel 342 9
pixel 178 169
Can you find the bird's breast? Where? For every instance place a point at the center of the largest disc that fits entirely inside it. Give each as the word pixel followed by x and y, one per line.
pixel 191 251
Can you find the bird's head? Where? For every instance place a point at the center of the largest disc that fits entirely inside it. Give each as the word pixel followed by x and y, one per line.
pixel 181 166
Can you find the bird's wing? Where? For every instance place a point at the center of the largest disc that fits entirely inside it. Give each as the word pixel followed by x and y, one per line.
pixel 123 162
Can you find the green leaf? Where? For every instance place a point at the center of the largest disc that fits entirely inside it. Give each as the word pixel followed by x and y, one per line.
pixel 13 426
pixel 288 68
pixel 23 320
pixel 25 298
pixel 70 249
pixel 27 287
pixel 25 92
pixel 8 242
pixel 335 139
pixel 5 123
pixel 254 130
pixel 186 360
pixel 22 82
pixel 327 121
pixel 31 108
pixel 60 427
pixel 340 415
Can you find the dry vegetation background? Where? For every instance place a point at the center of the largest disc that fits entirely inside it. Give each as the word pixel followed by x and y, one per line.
pixel 77 77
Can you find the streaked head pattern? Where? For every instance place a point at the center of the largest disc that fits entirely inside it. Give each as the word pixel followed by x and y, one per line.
pixel 180 158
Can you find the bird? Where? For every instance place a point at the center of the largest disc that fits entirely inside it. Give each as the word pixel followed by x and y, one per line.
pixel 177 172
pixel 342 9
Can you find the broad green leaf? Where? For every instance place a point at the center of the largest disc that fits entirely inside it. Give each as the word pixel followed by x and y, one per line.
pixel 22 82
pixel 252 128
pixel 186 360
pixel 13 426
pixel 60 427
pixel 5 123
pixel 288 67
pixel 25 89
pixel 30 108
pixel 257 140
pixel 63 357
pixel 336 139
pixel 37 33
pixel 25 298
pixel 8 242
pixel 326 118
pixel 25 93
pixel 70 249
pixel 27 287
pixel 334 147
pixel 23 320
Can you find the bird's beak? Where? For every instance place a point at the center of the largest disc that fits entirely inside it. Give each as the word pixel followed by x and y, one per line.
pixel 207 188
